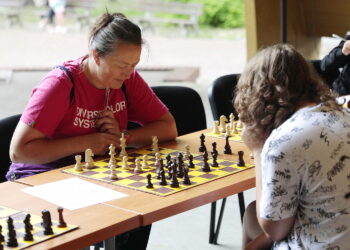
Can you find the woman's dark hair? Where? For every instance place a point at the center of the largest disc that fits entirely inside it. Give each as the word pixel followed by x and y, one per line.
pixel 112 29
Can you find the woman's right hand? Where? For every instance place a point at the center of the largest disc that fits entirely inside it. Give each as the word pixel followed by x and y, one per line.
pixel 100 142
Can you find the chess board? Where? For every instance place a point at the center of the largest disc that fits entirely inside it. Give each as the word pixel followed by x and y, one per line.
pixel 138 181
pixel 38 230
pixel 234 137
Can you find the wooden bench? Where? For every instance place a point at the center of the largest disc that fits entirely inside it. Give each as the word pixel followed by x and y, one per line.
pixel 154 9
pixel 11 10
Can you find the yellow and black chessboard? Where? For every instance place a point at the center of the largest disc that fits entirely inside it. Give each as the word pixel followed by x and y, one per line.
pixel 38 230
pixel 138 181
pixel 235 136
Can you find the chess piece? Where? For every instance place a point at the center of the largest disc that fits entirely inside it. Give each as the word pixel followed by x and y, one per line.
pixel 190 162
pixel 180 160
pixel 215 162
pixel 112 174
pixel 46 223
pixel 205 167
pixel 202 147
pixel 180 172
pixel 155 148
pixel 160 168
pixel 144 162
pixel 234 129
pixel 168 160
pixel 27 220
pixel 228 130
pixel 174 183
pixel 149 183
pixel 137 168
pixel 123 146
pixel 11 234
pixel 78 165
pixel 216 130
pixel 112 161
pixel 240 162
pixel 2 238
pixel 251 155
pixel 61 222
pixel 186 180
pixel 214 150
pixel 125 165
pixel 89 161
pixel 227 149
pixel 222 126
pixel 163 181
pixel 156 162
pixel 28 236
pixel 187 151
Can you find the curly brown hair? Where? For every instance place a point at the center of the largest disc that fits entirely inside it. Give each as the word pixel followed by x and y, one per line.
pixel 274 85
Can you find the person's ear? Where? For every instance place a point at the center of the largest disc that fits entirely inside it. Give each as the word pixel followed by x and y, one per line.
pixel 96 57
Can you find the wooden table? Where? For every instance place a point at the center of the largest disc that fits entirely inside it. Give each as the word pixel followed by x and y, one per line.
pixel 96 223
pixel 153 208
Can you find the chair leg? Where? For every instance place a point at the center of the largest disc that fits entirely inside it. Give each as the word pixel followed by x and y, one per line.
pixel 212 222
pixel 217 231
pixel 241 205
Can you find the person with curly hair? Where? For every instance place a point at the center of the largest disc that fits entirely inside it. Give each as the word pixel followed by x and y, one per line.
pixel 299 136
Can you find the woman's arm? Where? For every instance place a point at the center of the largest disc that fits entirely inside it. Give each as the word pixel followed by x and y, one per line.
pixel 29 145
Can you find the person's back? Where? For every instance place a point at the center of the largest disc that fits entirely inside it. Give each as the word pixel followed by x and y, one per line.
pixel 311 153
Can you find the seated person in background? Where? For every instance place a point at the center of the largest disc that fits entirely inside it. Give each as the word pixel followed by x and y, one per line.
pixel 336 65
pixel 299 136
pixel 66 116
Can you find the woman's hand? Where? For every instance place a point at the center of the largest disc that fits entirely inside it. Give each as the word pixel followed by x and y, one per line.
pixel 100 142
pixel 346 48
pixel 107 123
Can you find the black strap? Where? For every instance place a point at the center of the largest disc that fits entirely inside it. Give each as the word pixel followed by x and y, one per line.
pixel 69 74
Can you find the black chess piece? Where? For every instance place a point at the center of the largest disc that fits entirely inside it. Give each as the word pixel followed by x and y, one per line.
pixel 161 168
pixel 2 238
pixel 186 180
pixel 61 222
pixel 11 239
pixel 180 158
pixel 149 182
pixel 46 223
pixel 27 220
pixel 174 183
pixel 168 161
pixel 174 167
pixel 163 181
pixel 180 172
pixel 170 172
pixel 205 167
pixel 202 147
pixel 240 162
pixel 227 149
pixel 190 161
pixel 214 151
pixel 215 162
pixel 28 236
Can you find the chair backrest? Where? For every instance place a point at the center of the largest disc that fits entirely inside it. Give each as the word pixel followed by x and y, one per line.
pixel 220 95
pixel 328 77
pixel 185 104
pixel 7 127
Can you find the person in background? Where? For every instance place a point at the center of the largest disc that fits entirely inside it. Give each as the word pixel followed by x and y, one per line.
pixel 87 103
pixel 336 66
pixel 299 136
pixel 55 16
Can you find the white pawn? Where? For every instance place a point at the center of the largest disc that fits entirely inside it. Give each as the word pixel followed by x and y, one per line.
pixel 155 148
pixel 239 124
pixel 113 174
pixel 232 117
pixel 222 125
pixel 125 165
pixel 234 128
pixel 228 130
pixel 156 163
pixel 187 151
pixel 144 162
pixel 137 168
pixel 112 153
pixel 78 166
pixel 123 146
pixel 89 161
pixel 216 128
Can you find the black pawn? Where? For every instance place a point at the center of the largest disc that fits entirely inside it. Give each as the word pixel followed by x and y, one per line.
pixel 190 161
pixel 186 180
pixel 61 222
pixel 202 147
pixel 174 183
pixel 240 162
pixel 227 149
pixel 215 162
pixel 205 167
pixel 46 223
pixel 168 161
pixel 11 240
pixel 28 236
pixel 2 238
pixel 162 178
pixel 214 151
pixel 161 168
pixel 170 172
pixel 149 182
pixel 27 221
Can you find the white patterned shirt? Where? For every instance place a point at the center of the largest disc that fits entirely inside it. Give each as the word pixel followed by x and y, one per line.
pixel 306 172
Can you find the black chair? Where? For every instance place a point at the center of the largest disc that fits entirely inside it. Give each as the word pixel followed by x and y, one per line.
pixel 7 127
pixel 220 99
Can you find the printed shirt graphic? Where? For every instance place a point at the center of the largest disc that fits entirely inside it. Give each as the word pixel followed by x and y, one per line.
pixel 306 171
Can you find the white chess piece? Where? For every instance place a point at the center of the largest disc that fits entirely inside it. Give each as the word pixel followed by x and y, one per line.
pixel 187 151
pixel 156 162
pixel 228 130
pixel 234 129
pixel 78 166
pixel 89 161
pixel 216 128
pixel 232 118
pixel 113 174
pixel 144 162
pixel 155 148
pixel 137 168
pixel 125 163
pixel 112 153
pixel 222 125
pixel 123 146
